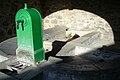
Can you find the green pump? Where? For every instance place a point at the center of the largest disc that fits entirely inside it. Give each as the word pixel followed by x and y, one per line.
pixel 29 36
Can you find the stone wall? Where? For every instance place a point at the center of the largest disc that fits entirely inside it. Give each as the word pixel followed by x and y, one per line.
pixel 8 11
pixel 79 22
pixel 109 10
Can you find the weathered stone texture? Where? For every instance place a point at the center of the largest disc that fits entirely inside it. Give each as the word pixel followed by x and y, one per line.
pixel 79 20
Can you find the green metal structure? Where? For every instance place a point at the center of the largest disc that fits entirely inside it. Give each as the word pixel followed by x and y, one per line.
pixel 29 36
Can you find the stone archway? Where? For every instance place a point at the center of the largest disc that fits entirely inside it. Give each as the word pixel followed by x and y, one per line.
pixel 80 22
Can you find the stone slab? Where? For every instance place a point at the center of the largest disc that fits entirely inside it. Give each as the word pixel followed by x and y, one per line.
pixel 56 33
pixel 9 46
pixel 2 58
pixel 33 71
pixel 6 77
pixel 80 45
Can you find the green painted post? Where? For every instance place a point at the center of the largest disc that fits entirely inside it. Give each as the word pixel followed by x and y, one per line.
pixel 29 36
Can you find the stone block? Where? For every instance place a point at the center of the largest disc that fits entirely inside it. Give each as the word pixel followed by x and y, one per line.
pixel 56 33
pixel 6 77
pixel 2 56
pixel 9 46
